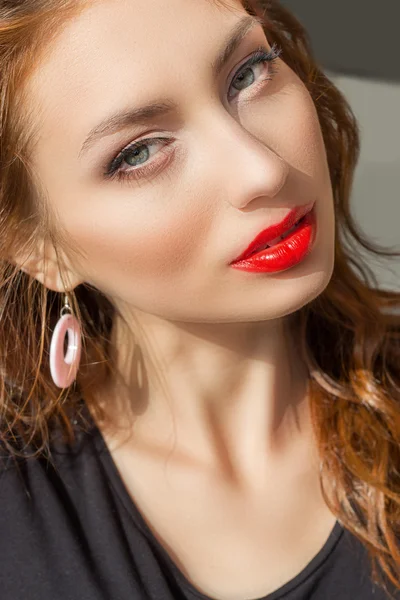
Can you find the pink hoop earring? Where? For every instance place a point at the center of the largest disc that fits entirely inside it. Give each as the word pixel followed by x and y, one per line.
pixel 64 369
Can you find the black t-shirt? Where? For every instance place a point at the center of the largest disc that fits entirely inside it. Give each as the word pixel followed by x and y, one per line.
pixel 71 531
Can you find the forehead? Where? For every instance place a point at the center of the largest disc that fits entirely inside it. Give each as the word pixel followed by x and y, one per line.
pixel 119 47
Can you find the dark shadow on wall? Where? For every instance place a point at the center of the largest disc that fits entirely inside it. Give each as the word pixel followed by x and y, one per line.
pixel 353 37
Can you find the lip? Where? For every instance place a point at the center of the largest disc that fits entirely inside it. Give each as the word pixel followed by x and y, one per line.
pixel 265 236
pixel 286 253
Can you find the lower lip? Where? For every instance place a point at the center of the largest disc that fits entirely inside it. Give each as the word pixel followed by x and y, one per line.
pixel 284 255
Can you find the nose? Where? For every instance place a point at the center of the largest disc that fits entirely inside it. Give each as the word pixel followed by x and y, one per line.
pixel 246 166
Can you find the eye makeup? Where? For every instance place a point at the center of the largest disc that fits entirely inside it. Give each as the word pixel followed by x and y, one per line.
pixel 113 170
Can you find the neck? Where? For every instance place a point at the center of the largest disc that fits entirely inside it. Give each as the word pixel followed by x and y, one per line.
pixel 234 394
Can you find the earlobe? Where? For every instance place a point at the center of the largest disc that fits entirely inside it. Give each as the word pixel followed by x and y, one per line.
pixel 44 267
pixel 50 277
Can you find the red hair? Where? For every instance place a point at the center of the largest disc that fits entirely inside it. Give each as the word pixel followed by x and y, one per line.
pixel 350 334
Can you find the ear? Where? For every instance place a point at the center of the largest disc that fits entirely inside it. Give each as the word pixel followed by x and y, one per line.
pixel 43 264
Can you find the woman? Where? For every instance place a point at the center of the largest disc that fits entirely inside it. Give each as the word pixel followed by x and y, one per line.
pixel 175 183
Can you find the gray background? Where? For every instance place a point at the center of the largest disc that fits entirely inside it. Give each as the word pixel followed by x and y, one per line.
pixel 354 37
pixel 358 46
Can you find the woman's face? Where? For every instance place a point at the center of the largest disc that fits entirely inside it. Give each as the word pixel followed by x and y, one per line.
pixel 240 148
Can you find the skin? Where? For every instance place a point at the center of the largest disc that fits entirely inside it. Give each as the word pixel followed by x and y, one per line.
pixel 159 247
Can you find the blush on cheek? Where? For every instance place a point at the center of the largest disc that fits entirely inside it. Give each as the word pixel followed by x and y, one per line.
pixel 118 251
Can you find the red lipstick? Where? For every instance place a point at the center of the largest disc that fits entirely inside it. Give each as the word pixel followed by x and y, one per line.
pixel 298 230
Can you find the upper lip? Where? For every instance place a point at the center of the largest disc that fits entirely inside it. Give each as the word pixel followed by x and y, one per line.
pixel 265 236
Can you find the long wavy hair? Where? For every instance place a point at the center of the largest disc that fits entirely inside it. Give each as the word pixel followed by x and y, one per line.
pixel 350 334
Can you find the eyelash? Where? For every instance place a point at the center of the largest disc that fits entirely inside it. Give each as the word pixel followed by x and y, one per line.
pixel 112 170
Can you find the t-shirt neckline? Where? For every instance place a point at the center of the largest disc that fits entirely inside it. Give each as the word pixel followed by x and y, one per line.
pixel 135 514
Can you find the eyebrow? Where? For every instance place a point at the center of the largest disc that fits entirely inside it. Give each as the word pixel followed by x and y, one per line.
pixel 144 114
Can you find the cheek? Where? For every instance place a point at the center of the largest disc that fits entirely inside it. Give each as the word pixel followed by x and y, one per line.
pixel 304 136
pixel 123 242
pixel 288 123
